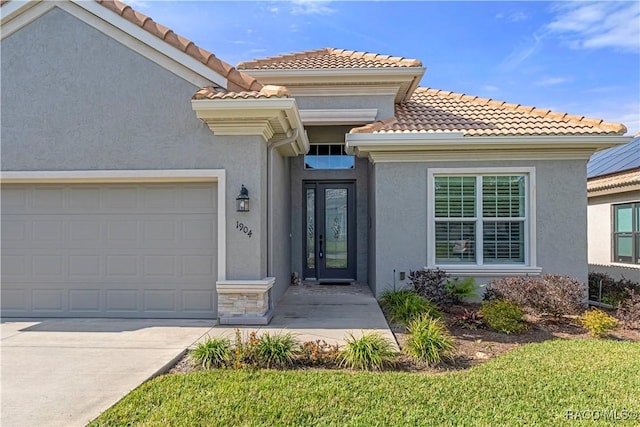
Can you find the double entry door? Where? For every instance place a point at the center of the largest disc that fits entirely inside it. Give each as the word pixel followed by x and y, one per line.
pixel 329 231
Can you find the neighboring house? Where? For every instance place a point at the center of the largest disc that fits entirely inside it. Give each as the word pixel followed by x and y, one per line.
pixel 125 150
pixel 613 188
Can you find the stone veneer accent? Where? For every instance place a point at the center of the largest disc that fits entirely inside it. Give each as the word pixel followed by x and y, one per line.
pixel 245 302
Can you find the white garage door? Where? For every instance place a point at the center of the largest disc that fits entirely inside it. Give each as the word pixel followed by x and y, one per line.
pixel 109 250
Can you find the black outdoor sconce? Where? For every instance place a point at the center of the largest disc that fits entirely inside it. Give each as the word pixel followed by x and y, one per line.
pixel 242 201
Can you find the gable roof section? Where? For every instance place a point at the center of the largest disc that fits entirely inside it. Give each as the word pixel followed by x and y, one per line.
pixel 339 72
pixel 328 58
pixel 616 159
pixel 98 13
pixel 432 110
pixel 237 81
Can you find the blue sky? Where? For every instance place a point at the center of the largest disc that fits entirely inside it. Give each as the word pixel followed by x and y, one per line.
pixel 575 57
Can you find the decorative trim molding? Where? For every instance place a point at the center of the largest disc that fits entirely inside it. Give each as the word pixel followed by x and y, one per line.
pixel 473 156
pixel 137 176
pixel 19 14
pixel 440 146
pixel 243 127
pixel 338 116
pixel 245 286
pixel 403 80
pixel 270 117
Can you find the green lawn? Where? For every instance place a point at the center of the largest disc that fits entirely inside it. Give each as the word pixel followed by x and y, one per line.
pixel 533 385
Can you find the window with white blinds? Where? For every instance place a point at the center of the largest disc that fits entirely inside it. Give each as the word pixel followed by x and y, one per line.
pixel 480 219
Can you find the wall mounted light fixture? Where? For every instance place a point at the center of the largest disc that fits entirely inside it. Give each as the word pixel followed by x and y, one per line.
pixel 242 201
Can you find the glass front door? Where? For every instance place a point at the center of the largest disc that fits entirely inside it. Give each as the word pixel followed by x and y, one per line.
pixel 329 242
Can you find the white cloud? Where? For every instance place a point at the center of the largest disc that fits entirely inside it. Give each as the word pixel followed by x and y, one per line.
pixel 552 81
pixel 311 7
pixel 520 54
pixel 513 16
pixel 598 25
pixel 489 88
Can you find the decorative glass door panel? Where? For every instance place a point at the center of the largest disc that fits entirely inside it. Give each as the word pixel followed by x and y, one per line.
pixel 329 242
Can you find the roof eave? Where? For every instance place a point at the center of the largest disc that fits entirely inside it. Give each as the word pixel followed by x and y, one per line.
pixel 272 118
pixel 406 79
pixel 456 144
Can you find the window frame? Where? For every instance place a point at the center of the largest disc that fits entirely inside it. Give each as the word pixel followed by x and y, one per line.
pixel 314 145
pixel 529 266
pixel 634 233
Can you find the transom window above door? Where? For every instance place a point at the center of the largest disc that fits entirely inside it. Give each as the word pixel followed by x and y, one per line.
pixel 481 219
pixel 328 156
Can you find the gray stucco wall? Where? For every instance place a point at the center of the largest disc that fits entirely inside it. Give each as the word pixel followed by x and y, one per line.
pixel 384 103
pixel 281 255
pixel 75 99
pixel 401 222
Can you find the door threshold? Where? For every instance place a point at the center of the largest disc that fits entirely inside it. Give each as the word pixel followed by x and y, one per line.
pixel 310 281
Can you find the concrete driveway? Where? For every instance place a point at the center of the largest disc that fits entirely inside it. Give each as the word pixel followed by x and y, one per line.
pixel 65 372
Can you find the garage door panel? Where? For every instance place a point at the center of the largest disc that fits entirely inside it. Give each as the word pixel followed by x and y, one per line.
pixel 85 300
pixel 116 250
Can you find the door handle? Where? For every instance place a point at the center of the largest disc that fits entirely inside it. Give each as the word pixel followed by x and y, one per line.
pixel 320 253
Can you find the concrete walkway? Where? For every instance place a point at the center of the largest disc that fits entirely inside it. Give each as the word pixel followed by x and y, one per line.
pixel 65 372
pixel 322 312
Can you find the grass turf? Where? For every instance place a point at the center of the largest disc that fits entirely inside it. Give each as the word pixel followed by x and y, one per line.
pixel 533 385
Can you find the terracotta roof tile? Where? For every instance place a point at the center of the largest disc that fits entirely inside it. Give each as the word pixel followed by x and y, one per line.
pixel 237 80
pixel 328 58
pixel 267 91
pixel 619 180
pixel 432 110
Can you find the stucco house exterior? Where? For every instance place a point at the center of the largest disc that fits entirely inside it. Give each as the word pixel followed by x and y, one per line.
pixel 613 189
pixel 127 151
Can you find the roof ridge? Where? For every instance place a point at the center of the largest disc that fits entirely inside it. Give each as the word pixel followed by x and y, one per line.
pixel 237 80
pixel 352 54
pixel 386 59
pixel 554 115
pixel 244 65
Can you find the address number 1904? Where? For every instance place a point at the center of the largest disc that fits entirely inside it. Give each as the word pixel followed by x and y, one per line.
pixel 243 228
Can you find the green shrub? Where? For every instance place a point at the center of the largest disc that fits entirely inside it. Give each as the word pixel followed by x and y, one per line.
pixel 470 319
pixel 597 322
pixel 430 284
pixel 613 291
pixel 405 305
pixel 429 341
pixel 629 310
pixel 318 353
pixel 276 351
pixel 550 294
pixel 503 316
pixel 461 289
pixel 369 352
pixel 212 353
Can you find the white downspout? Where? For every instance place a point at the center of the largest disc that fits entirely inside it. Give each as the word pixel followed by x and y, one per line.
pixel 270 239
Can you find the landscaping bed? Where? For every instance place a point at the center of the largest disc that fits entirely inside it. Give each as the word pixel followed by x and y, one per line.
pixel 476 346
